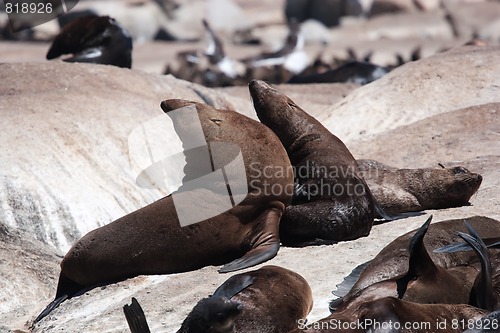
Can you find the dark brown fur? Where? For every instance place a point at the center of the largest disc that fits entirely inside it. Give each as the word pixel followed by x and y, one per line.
pixel 411 190
pixel 332 202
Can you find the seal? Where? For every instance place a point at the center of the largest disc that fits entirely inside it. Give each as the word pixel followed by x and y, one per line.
pixel 94 39
pixel 390 314
pixel 331 201
pixel 270 299
pixel 411 190
pixel 423 282
pixel 151 240
pixel 393 260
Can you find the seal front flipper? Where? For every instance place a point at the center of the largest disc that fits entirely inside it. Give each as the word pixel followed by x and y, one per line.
pixel 66 288
pixel 136 318
pixel 264 247
pixel 234 285
pixel 463 246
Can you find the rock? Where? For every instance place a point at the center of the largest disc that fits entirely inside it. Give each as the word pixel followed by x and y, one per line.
pixel 28 273
pixel 475 19
pixel 449 136
pixel 418 90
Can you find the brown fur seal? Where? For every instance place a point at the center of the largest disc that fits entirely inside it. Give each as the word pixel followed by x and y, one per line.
pixel 331 202
pixel 393 315
pixel 392 261
pixel 151 239
pixel 411 190
pixel 270 299
pixel 424 282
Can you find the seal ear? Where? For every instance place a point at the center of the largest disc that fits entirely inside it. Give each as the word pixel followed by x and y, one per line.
pixel 482 293
pixel 135 317
pixel 442 166
pixel 234 285
pixel 420 262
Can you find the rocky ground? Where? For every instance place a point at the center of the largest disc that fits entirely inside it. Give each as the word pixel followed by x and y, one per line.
pixel 66 165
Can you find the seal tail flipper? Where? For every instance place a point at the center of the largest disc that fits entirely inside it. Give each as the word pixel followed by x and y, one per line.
pixel 387 217
pixel 263 248
pixel 419 262
pixel 66 288
pixel 136 318
pixel 482 294
pixel 464 246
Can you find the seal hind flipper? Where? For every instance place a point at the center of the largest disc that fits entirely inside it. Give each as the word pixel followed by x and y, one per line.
pixel 385 216
pixel 234 285
pixel 346 285
pixel 419 260
pixel 482 294
pixel 265 246
pixel 136 318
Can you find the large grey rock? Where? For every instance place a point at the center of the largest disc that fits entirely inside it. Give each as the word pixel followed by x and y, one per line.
pixel 459 78
pixel 475 19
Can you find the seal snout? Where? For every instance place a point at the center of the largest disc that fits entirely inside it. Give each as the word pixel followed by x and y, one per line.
pixel 260 91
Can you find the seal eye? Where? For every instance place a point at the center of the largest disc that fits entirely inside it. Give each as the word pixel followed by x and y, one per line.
pixel 459 170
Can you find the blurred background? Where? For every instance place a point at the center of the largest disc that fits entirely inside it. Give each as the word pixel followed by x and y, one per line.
pixel 169 35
